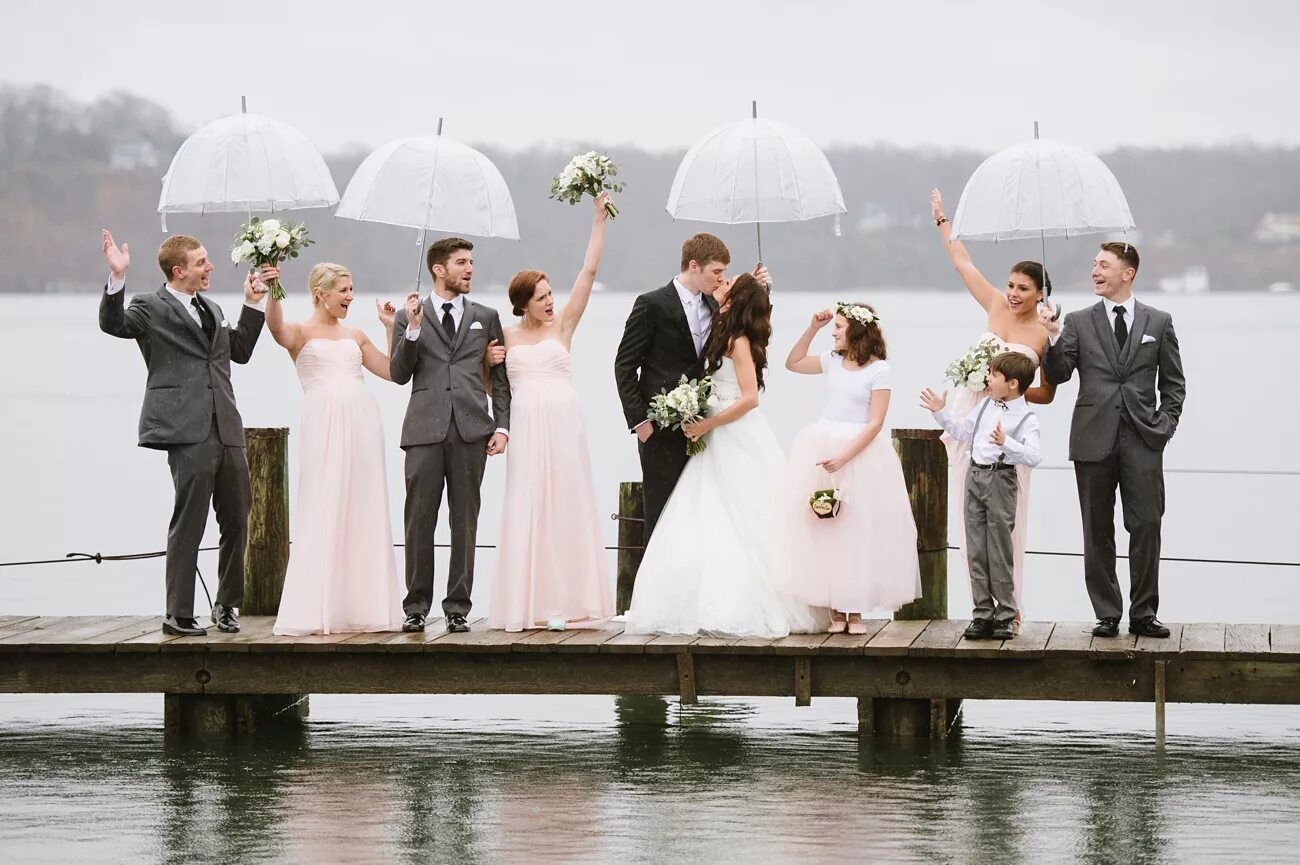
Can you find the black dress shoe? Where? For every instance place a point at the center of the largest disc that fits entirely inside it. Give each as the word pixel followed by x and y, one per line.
pixel 226 619
pixel 1148 627
pixel 414 623
pixel 1106 627
pixel 979 629
pixel 179 627
pixel 456 624
pixel 1004 631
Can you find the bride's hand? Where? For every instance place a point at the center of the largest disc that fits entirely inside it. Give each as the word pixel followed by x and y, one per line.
pixel 387 312
pixel 696 429
pixel 936 204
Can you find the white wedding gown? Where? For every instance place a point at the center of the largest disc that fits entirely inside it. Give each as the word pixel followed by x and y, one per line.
pixel 709 567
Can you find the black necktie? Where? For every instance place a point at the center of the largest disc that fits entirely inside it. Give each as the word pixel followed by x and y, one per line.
pixel 1121 327
pixel 448 323
pixel 205 317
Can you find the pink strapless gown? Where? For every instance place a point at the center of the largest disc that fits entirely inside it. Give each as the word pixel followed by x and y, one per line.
pixel 341 576
pixel 963 401
pixel 551 557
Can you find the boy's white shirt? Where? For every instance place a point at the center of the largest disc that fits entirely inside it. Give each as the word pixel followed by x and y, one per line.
pixel 1021 451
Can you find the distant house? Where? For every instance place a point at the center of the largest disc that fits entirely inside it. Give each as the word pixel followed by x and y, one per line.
pixel 132 155
pixel 1278 228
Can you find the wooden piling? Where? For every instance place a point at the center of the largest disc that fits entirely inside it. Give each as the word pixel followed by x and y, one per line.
pixel 925 469
pixel 631 540
pixel 267 555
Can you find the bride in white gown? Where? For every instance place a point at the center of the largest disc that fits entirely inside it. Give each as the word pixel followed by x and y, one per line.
pixel 708 568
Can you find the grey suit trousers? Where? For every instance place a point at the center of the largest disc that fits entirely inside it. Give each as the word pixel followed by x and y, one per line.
pixel 990 511
pixel 1137 470
pixel 456 465
pixel 207 474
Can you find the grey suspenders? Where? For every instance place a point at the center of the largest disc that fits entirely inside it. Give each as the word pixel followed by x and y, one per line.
pixel 980 416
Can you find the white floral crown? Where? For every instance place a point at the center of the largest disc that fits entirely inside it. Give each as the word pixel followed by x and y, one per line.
pixel 858 312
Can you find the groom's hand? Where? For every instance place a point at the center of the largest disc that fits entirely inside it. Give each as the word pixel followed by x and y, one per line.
pixel 1048 318
pixel 496 444
pixel 118 259
pixel 644 431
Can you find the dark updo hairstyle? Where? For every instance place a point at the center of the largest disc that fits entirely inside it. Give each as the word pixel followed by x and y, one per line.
pixel 1037 275
pixel 863 341
pixel 523 287
pixel 749 314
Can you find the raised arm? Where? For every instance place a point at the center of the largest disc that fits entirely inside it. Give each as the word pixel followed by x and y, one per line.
pixel 287 334
pixel 114 318
pixel 577 303
pixel 402 344
pixel 1063 349
pixel 798 360
pixel 985 294
pixel 243 337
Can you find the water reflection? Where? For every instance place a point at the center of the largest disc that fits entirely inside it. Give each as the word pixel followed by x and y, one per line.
pixel 662 783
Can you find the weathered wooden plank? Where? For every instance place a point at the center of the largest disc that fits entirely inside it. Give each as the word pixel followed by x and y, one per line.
pixel 540 641
pixel 971 649
pixel 627 644
pixel 938 639
pixel 1284 642
pixel 135 626
pixel 715 645
pixel 1162 647
pixel 1031 642
pixel 1070 640
pixel 1110 648
pixel 747 646
pixel 896 637
pixel 1202 640
pixel 7 621
pixel 586 640
pixel 1194 680
pixel 105 672
pixel 669 644
pixel 70 639
pixel 149 642
pixel 400 641
pixel 799 644
pixel 1245 642
pixel 479 638
pixel 13 638
pixel 852 644
pixel 252 629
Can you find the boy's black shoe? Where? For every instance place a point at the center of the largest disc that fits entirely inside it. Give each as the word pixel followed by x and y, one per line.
pixel 1148 627
pixel 1004 631
pixel 979 629
pixel 1106 627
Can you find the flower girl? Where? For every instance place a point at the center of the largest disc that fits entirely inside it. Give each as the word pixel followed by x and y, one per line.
pixel 851 540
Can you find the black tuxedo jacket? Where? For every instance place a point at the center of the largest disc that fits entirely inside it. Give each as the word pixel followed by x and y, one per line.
pixel 655 352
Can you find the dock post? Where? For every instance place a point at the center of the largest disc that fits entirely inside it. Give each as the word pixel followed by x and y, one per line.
pixel 1160 700
pixel 631 541
pixel 925 468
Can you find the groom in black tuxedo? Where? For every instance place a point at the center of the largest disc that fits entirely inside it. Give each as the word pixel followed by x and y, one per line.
pixel 663 340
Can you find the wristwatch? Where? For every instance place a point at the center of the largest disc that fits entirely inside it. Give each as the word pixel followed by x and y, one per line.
pixel 940 221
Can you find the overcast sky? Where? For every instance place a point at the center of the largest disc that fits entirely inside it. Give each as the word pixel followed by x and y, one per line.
pixel 661 73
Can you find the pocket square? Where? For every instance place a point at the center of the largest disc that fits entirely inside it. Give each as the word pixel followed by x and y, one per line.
pixel 476 325
pixel 1146 337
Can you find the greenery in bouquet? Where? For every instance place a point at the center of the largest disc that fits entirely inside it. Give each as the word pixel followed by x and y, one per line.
pixel 269 242
pixel 690 401
pixel 971 370
pixel 587 174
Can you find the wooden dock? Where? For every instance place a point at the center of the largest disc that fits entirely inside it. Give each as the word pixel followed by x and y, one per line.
pixel 925 663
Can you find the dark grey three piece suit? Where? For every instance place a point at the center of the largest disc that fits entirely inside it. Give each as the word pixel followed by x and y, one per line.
pixel 445 437
pixel 1117 438
pixel 189 411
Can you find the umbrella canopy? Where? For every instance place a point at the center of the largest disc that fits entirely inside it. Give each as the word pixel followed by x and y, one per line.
pixel 431 183
pixel 246 162
pixel 1040 188
pixel 757 171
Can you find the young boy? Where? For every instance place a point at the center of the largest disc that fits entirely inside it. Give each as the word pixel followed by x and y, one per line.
pixel 1003 433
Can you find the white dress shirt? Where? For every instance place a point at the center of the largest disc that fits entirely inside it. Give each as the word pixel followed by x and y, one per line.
pixel 114 286
pixel 1022 451
pixel 1129 305
pixel 457 312
pixel 699 318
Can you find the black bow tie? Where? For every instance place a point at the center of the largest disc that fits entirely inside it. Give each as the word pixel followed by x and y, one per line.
pixel 1000 403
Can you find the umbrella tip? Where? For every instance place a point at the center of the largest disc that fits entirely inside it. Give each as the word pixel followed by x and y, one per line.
pixel 243 105
pixel 754 107
pixel 1035 130
pixel 439 125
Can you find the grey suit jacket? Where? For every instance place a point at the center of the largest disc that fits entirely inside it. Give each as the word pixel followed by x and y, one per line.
pixel 447 377
pixel 1110 378
pixel 189 376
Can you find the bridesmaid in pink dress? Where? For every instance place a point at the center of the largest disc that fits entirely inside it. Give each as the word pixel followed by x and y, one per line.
pixel 341 577
pixel 551 567
pixel 1012 323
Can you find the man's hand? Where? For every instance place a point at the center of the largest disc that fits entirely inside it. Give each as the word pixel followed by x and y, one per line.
pixel 932 400
pixel 644 431
pixel 118 259
pixel 762 275
pixel 496 444
pixel 496 354
pixel 998 438
pixel 414 310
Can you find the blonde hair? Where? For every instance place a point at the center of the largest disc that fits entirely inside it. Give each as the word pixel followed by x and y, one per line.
pixel 322 279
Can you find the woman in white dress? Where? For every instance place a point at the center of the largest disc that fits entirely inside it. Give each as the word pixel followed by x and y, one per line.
pixel 1013 325
pixel 709 567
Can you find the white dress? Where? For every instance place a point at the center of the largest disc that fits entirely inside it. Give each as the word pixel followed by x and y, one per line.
pixel 709 567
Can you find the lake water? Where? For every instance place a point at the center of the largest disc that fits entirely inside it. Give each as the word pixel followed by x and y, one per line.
pixel 90 778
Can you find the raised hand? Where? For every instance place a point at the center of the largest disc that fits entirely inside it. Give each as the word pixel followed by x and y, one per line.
pixel 999 437
pixel 118 259
pixel 496 354
pixel 386 312
pixel 414 310
pixel 603 204
pixel 1048 317
pixel 761 274
pixel 932 400
pixel 820 319
pixel 254 288
pixel 936 204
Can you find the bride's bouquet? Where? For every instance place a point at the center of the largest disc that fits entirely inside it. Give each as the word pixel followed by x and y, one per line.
pixel 269 242
pixel 971 370
pixel 826 503
pixel 587 174
pixel 689 401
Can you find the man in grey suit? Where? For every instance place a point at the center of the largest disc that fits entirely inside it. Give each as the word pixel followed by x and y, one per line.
pixel 448 433
pixel 189 411
pixel 1124 351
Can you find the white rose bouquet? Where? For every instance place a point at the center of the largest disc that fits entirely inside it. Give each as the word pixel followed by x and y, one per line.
pixel 971 370
pixel 690 401
pixel 586 174
pixel 826 503
pixel 269 242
